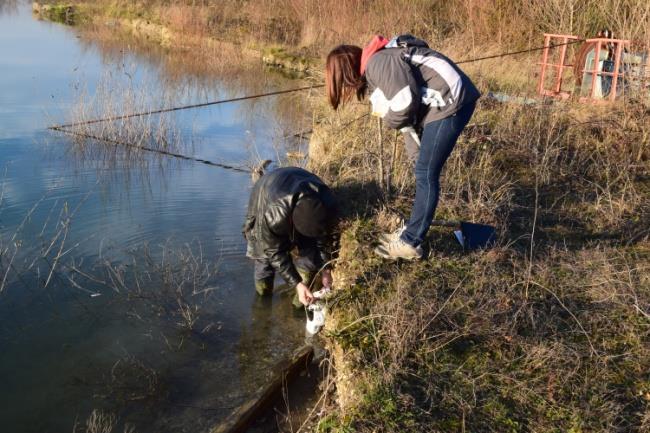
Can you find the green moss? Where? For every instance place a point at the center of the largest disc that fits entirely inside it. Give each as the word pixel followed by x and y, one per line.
pixel 381 406
pixel 61 13
pixel 332 424
pixel 279 57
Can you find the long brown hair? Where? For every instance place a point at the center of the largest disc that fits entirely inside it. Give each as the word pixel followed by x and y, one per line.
pixel 343 75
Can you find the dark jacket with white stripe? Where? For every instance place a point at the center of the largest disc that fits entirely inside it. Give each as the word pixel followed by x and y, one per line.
pixel 411 85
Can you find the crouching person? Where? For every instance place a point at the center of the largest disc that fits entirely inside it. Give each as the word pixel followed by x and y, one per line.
pixel 290 208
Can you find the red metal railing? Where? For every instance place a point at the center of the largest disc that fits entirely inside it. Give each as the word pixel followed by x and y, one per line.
pixel 561 66
pixel 617 46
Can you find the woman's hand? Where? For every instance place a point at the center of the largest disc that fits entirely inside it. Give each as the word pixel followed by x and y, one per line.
pixel 304 294
pixel 327 278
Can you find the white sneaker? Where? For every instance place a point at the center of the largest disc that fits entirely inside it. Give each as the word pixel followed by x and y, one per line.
pixel 390 237
pixel 398 249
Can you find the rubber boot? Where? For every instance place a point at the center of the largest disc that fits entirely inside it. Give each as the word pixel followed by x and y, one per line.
pixel 264 287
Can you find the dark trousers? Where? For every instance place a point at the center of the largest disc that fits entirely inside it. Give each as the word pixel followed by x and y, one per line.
pixel 438 140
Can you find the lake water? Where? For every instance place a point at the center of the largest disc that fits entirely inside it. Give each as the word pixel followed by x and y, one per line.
pixel 124 282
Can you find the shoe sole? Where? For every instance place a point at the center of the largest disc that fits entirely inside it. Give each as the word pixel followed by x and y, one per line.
pixel 383 254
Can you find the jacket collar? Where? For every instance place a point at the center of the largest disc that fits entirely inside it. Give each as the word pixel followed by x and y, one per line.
pixel 377 43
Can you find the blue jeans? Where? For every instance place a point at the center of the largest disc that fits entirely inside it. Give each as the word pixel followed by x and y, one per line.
pixel 438 140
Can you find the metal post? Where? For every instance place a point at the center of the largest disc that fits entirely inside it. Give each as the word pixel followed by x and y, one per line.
pixel 594 72
pixel 617 61
pixel 560 68
pixel 542 75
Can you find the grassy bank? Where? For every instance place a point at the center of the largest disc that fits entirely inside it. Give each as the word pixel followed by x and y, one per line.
pixel 547 332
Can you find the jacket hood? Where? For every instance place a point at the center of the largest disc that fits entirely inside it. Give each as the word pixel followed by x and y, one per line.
pixel 407 40
pixel 377 43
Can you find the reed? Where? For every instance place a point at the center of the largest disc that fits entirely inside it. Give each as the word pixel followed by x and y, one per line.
pixel 317 25
pixel 119 92
pixel 101 422
pixel 8 6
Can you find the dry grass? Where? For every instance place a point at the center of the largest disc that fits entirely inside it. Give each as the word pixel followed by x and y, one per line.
pixel 312 27
pixel 309 23
pixel 550 330
pixel 169 283
pixel 172 81
pixel 32 256
pixel 172 283
pixel 305 30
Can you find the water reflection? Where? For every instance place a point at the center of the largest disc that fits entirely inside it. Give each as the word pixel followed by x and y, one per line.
pixel 218 71
pixel 8 7
pixel 125 90
pixel 126 286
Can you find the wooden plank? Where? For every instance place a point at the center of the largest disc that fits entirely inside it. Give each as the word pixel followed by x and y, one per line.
pixel 242 418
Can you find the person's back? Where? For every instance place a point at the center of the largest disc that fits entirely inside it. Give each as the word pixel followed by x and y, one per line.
pixel 289 207
pixel 443 87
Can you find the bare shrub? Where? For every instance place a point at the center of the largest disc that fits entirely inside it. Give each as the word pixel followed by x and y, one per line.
pixel 101 422
pixel 118 94
pixel 172 283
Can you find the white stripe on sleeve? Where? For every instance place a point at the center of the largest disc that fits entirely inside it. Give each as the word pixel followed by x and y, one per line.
pixel 400 102
pixel 442 68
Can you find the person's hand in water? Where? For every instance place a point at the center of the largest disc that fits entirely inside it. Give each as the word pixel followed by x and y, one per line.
pixel 304 294
pixel 327 278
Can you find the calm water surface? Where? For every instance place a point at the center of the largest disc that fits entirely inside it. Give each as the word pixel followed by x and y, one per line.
pixel 138 243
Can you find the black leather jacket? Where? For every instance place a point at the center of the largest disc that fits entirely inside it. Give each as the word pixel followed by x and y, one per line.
pixel 268 227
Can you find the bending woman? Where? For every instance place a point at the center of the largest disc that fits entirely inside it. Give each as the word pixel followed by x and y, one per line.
pixel 420 92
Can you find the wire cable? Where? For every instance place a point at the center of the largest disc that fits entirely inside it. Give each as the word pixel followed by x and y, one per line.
pixel 183 107
pixel 513 53
pixel 64 127
pixel 279 92
pixel 152 150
